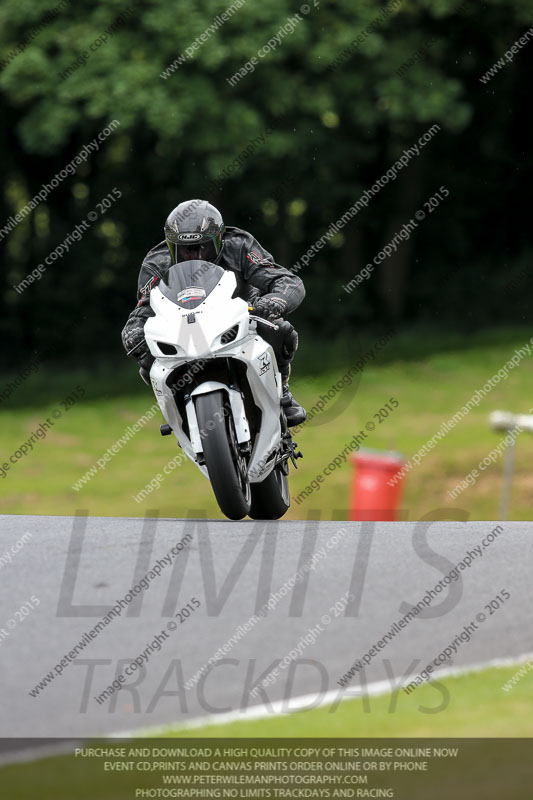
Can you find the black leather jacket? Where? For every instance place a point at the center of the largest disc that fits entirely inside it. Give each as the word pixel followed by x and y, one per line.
pixel 255 269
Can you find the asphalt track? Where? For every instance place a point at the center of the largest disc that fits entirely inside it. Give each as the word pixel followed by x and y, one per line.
pixel 78 571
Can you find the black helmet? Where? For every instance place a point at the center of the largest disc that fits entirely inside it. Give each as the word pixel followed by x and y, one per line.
pixel 194 230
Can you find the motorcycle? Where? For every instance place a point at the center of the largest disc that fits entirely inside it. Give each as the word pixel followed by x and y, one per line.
pixel 219 388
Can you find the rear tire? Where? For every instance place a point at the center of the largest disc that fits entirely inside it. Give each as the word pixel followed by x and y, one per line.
pixel 270 498
pixel 221 454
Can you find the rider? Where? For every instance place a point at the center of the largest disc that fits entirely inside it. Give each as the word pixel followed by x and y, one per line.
pixel 195 230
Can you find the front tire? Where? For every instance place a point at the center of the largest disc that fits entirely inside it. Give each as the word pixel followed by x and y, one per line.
pixel 225 465
pixel 271 498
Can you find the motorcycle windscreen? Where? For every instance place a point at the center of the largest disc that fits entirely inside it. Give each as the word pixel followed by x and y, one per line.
pixel 187 284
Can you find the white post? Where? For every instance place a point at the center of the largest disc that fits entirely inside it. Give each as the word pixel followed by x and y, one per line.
pixel 506 421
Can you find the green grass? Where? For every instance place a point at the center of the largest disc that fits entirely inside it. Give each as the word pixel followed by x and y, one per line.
pixel 471 705
pixel 430 380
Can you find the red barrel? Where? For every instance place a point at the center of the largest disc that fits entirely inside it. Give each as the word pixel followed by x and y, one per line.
pixel 372 497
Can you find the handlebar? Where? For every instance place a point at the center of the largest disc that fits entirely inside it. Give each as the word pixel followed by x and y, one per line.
pixel 264 321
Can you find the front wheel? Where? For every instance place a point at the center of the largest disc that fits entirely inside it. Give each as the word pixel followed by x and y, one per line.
pixel 271 498
pixel 226 467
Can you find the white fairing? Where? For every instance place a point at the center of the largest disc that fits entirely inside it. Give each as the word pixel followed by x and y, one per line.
pixel 200 340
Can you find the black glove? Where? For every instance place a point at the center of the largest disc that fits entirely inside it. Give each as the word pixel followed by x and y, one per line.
pixel 270 307
pixel 133 339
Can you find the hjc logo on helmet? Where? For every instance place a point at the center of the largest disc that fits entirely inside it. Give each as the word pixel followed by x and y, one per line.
pixel 189 237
